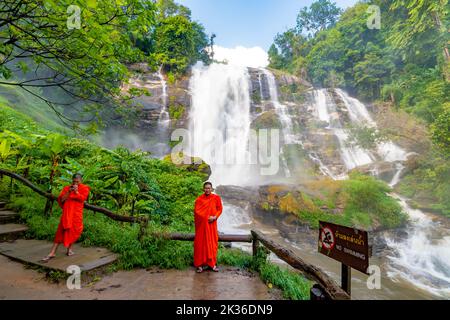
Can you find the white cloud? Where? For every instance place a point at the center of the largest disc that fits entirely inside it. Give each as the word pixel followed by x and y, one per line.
pixel 254 57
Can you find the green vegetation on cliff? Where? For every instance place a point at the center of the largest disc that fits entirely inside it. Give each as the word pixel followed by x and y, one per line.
pixel 361 201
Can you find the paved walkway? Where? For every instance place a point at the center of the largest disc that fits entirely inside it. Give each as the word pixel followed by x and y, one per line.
pixel 17 282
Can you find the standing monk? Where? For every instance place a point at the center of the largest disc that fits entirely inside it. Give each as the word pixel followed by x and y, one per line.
pixel 208 208
pixel 71 200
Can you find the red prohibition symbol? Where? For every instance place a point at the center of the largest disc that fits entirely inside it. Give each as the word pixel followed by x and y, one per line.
pixel 327 238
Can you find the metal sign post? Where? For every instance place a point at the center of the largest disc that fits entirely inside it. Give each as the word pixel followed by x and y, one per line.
pixel 346 278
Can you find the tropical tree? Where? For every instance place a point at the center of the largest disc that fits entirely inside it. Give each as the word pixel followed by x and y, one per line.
pixel 75 47
pixel 179 43
pixel 321 15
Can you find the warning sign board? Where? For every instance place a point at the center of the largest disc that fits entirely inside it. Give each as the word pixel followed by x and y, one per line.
pixel 347 245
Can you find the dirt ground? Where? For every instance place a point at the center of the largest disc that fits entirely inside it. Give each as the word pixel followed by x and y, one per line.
pixel 19 282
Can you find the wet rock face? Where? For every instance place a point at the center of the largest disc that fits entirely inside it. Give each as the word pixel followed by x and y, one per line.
pixel 259 86
pixel 152 104
pixel 237 193
pixel 266 120
pixel 274 199
pixel 384 170
pixel 179 99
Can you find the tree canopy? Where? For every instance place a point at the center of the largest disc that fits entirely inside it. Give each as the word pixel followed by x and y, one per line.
pixel 76 46
pixel 75 53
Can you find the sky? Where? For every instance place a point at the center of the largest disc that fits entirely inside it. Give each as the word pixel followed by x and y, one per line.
pixel 248 23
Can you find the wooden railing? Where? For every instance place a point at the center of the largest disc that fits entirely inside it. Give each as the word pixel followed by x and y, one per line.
pixel 325 284
pixel 87 206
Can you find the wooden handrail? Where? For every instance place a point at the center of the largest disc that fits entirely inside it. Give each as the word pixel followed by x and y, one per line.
pixel 190 237
pixel 106 212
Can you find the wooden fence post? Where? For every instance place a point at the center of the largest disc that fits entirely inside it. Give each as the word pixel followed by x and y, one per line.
pixel 255 245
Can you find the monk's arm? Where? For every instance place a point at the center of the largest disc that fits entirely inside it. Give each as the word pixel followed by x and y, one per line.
pixel 219 207
pixel 63 196
pixel 80 196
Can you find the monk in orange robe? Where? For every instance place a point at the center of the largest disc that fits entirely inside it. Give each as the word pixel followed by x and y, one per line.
pixel 71 200
pixel 208 208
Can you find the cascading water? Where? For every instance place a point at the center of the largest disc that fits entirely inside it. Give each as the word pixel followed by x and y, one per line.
pixel 324 106
pixel 359 114
pixel 220 121
pixel 321 110
pixel 164 117
pixel 283 115
pixel 281 110
pixel 423 258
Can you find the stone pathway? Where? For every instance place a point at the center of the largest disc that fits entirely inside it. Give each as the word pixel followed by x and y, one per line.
pixel 17 282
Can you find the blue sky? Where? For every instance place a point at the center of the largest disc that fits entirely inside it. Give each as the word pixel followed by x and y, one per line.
pixel 248 23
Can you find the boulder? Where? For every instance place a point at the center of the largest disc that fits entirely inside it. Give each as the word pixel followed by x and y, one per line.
pixel 190 164
pixel 267 120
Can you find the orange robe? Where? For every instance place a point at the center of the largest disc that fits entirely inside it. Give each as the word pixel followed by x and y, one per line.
pixel 206 236
pixel 71 225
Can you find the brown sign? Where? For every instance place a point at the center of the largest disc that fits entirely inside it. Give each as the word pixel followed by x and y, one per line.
pixel 347 245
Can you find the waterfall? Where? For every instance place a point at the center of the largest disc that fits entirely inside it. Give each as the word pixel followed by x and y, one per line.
pixel 261 92
pixel 423 258
pixel 321 110
pixel 396 178
pixel 324 106
pixel 358 112
pixel 219 121
pixel 280 108
pixel 164 117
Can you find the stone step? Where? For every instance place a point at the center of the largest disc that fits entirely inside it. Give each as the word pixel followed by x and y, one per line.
pixel 7 216
pixel 11 230
pixel 32 251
